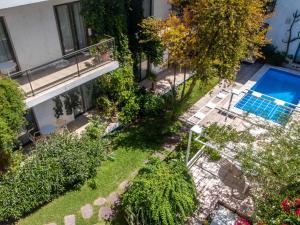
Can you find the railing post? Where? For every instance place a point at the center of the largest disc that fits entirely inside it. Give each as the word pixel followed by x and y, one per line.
pixel 78 71
pixel 29 81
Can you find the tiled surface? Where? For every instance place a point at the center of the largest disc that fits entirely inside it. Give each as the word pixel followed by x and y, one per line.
pixel 220 182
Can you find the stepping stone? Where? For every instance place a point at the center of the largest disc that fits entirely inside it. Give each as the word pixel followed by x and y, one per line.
pixel 114 198
pixel 100 201
pixel 87 211
pixel 105 213
pixel 69 220
pixel 124 186
pixel 136 172
pixel 50 224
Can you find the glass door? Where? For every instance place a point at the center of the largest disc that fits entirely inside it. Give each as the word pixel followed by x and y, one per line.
pixel 6 53
pixel 71 27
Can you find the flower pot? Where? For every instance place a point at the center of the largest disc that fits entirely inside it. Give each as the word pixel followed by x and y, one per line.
pixel 104 56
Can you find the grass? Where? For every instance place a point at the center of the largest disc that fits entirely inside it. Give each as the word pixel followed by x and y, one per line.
pixel 134 145
pixel 109 176
pixel 199 91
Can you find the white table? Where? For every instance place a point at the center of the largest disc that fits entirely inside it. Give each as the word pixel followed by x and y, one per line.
pixel 7 67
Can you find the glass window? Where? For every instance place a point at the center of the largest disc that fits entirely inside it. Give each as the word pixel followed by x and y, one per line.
pixel 72 30
pixel 5 47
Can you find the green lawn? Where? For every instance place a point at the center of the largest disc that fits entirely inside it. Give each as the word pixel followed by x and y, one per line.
pixel 109 176
pixel 134 145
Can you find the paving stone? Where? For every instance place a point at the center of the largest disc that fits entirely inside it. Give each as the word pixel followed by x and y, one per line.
pixel 114 198
pixel 100 201
pixel 124 186
pixel 70 220
pixel 134 173
pixel 87 211
pixel 105 213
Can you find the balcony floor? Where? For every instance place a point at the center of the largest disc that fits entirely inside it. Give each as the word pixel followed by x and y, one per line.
pixel 59 72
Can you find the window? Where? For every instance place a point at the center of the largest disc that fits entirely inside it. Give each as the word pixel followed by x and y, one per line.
pixel 6 53
pixel 71 27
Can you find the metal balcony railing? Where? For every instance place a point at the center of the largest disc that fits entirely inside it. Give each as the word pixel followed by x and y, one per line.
pixel 51 74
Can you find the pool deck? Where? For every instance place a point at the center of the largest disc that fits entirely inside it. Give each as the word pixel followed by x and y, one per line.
pixel 217 182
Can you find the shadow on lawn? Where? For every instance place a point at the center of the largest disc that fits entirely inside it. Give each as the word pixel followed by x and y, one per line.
pixel 148 134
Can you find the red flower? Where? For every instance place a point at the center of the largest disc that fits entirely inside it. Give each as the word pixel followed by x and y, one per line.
pixel 297 202
pixel 297 212
pixel 286 205
pixel 242 221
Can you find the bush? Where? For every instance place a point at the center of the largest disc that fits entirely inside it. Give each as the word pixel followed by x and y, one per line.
pixel 130 111
pixel 62 163
pixel 272 55
pixel 12 110
pixel 152 104
pixel 163 193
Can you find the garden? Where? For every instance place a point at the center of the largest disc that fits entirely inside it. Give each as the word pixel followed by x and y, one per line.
pixel 128 176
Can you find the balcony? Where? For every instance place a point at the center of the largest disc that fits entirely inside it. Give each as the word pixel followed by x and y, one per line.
pixel 70 67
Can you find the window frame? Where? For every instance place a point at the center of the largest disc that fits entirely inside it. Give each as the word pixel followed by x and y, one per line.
pixel 73 26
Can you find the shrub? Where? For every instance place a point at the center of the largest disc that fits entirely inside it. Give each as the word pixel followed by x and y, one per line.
pixel 152 104
pixel 12 110
pixel 61 163
pixel 272 55
pixel 163 193
pixel 130 111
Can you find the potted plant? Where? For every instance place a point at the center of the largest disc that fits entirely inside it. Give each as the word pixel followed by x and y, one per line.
pixel 107 108
pixel 104 53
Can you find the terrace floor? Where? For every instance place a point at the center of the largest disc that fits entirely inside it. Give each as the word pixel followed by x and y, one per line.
pixel 41 79
pixel 244 75
pixel 220 183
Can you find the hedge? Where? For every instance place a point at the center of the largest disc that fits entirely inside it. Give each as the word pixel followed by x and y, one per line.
pixel 62 163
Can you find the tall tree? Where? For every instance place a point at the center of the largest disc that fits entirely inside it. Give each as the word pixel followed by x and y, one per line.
pixel 222 32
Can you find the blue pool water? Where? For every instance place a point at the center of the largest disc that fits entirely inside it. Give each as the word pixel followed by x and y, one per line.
pixel 279 85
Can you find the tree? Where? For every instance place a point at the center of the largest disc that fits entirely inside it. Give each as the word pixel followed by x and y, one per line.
pixel 150 41
pixel 222 32
pixel 272 166
pixel 175 39
pixel 12 110
pixel 163 193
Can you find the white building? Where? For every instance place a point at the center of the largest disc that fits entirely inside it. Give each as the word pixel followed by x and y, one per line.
pixel 43 46
pixel 280 24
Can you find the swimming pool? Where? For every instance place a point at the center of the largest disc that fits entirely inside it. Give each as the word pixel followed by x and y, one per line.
pixel 273 97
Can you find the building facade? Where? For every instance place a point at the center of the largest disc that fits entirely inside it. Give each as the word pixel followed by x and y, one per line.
pixel 43 47
pixel 281 22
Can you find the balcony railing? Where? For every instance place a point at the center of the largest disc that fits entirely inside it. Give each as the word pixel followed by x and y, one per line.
pixel 46 76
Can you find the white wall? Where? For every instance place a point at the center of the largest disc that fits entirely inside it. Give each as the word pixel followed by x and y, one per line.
pixel 34 33
pixel 44 114
pixel 280 23
pixel 161 8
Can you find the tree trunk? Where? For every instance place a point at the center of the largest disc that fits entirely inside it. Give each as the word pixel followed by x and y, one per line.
pixel 184 83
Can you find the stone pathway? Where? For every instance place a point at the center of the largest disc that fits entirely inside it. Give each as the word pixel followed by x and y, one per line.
pixel 100 201
pixel 70 220
pixel 87 211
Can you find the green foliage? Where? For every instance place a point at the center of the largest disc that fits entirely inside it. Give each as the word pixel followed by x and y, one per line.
pixel 95 129
pixel 163 193
pixel 71 101
pixel 107 17
pixel 58 108
pixel 150 40
pixel 152 104
pixel 130 110
pixel 61 163
pixel 272 167
pixel 117 92
pixel 12 110
pixel 272 55
pixel 12 107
